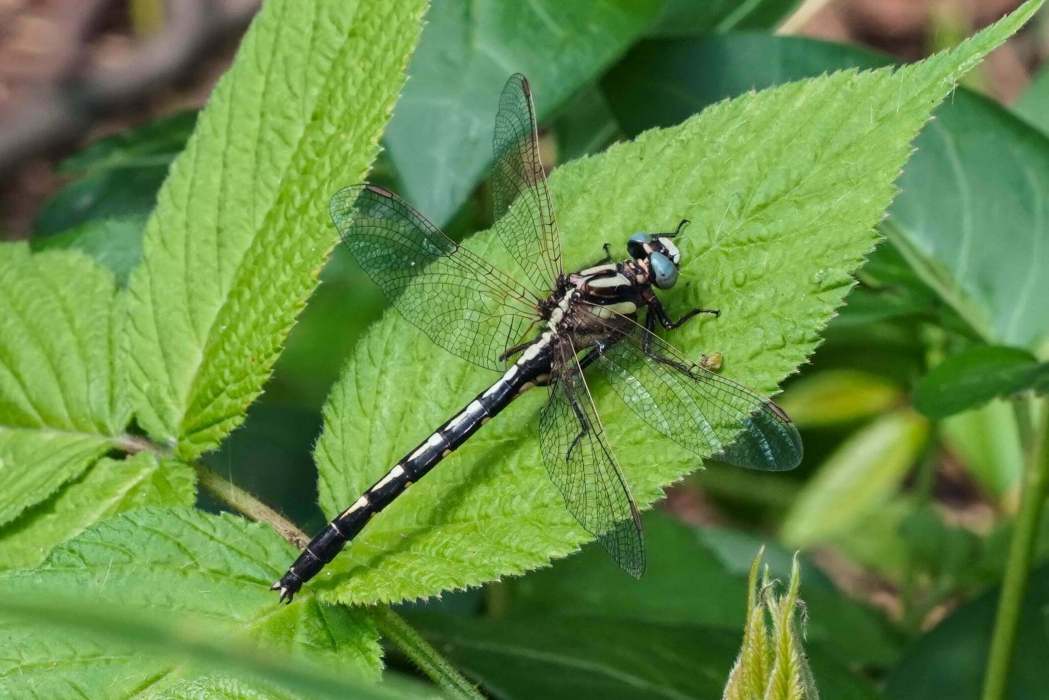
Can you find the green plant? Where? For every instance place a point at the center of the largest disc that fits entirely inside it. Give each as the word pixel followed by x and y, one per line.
pixel 112 395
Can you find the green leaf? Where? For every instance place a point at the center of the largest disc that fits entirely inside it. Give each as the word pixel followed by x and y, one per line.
pixel 749 675
pixel 784 189
pixel 180 565
pixel 679 556
pixel 978 176
pixel 115 244
pixel 440 139
pixel 981 179
pixel 790 677
pixel 592 657
pixel 97 636
pixel 62 395
pixel 241 228
pixel 949 660
pixel 858 478
pixel 976 375
pixel 115 177
pixel 682 17
pixel 526 658
pixel 106 488
pixel 832 397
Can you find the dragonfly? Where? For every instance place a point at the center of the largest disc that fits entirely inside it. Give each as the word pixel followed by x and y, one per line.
pixel 549 329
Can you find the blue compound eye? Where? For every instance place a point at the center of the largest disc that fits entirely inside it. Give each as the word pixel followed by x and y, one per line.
pixel 635 245
pixel 664 271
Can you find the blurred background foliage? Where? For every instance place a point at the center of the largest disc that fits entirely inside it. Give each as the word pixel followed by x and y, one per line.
pixel 915 439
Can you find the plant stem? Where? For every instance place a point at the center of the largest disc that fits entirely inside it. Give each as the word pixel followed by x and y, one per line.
pixel 241 500
pixel 390 624
pixel 1021 547
pixel 429 660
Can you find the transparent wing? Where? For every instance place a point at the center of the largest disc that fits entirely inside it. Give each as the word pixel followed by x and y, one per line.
pixel 458 299
pixel 703 412
pixel 582 466
pixel 524 212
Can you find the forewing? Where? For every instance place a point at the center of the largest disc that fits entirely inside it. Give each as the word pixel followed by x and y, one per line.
pixel 524 212
pixel 704 412
pixel 582 466
pixel 458 299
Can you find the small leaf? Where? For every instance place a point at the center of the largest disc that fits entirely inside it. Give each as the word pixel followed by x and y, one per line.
pixel 750 673
pixel 106 488
pixel 62 395
pixel 442 135
pixel 241 227
pixel 115 244
pixel 976 375
pixel 172 564
pixel 783 187
pixel 988 442
pixel 115 177
pixel 856 479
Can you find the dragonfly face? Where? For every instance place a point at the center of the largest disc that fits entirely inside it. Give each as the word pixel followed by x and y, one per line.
pixel 660 254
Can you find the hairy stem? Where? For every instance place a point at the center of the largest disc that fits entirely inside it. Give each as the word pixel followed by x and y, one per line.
pixel 242 501
pixel 390 624
pixel 422 654
pixel 1021 547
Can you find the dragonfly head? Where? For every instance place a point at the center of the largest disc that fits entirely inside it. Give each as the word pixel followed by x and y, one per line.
pixel 662 255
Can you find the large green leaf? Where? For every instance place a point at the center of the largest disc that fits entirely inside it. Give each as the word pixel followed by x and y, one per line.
pixel 104 489
pixel 211 573
pixel 241 229
pixel 62 396
pixel 680 556
pixel 440 139
pixel 784 189
pixel 600 657
pixel 978 177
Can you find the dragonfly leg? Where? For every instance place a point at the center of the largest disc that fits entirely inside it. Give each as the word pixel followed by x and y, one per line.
pixel 670 234
pixel 584 427
pixel 510 352
pixel 605 260
pixel 656 312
